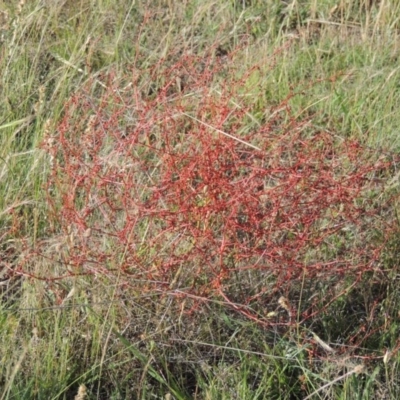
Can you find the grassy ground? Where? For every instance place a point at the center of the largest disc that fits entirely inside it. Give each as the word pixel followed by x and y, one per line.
pixel 316 66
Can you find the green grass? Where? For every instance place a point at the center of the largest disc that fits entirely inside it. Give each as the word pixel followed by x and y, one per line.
pixel 342 63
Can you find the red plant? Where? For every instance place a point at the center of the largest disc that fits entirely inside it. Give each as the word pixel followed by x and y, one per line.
pixel 168 181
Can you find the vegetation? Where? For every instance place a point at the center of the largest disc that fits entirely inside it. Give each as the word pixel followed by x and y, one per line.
pixel 198 200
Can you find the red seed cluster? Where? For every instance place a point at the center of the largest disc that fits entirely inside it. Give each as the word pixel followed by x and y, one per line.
pixel 172 179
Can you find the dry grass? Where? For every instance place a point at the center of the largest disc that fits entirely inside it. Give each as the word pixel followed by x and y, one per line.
pixel 133 144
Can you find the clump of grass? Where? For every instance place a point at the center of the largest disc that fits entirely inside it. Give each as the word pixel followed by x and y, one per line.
pixel 206 220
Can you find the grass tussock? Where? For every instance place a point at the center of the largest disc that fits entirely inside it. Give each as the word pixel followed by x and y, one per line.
pixel 199 200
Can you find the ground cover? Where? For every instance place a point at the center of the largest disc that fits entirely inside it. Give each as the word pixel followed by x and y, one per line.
pixel 199 200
